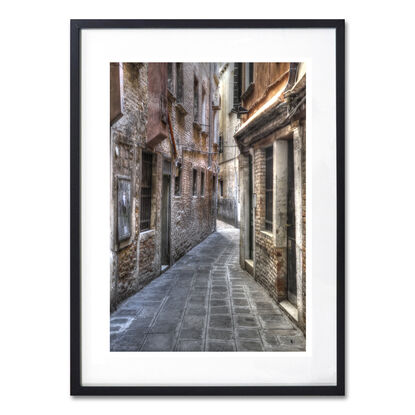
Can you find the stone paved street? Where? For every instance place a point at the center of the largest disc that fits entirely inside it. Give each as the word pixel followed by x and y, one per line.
pixel 204 302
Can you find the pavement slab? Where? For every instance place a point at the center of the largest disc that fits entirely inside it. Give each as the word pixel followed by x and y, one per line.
pixel 204 302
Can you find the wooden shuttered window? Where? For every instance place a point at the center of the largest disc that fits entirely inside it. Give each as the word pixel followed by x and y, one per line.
pixel 237 85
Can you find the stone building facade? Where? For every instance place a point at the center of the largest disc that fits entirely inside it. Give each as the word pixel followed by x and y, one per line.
pixel 163 167
pixel 228 185
pixel 272 178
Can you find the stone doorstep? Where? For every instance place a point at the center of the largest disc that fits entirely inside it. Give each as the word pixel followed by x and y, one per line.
pixel 290 309
pixel 249 266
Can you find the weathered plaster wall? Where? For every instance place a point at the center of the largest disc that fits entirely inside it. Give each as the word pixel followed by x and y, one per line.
pixel 229 203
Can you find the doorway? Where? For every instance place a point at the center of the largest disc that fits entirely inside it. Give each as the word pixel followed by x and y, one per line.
pixel 165 215
pixel 291 243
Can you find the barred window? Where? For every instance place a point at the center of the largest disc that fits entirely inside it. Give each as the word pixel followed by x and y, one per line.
pixel 196 100
pixel 177 182
pixel 202 183
pixel 194 182
pixel 179 83
pixel 268 187
pixel 146 181
pixel 170 77
pixel 237 84
pixel 221 187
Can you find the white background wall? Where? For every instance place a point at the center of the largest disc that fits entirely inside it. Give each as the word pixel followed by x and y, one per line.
pixel 35 206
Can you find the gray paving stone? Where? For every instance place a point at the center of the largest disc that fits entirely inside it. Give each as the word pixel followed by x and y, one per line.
pixel 272 321
pixel 193 322
pixel 189 346
pixel 140 323
pixel 219 296
pixel 217 303
pixel 242 310
pixel 193 333
pixel 163 326
pixel 199 311
pixel 215 334
pixel 240 302
pixel 158 343
pixel 220 346
pixel 246 321
pixel 220 310
pixel 249 346
pixel 220 322
pixel 247 333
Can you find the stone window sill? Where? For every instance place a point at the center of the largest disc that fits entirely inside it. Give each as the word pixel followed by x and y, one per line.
pixel 180 108
pixel 147 234
pixel 267 233
pixel 248 91
pixel 171 96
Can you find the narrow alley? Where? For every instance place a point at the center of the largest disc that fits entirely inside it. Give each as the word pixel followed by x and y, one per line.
pixel 204 302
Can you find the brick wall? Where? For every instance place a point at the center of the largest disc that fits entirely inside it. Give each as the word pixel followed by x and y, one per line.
pixel 126 135
pixel 270 261
pixel 136 262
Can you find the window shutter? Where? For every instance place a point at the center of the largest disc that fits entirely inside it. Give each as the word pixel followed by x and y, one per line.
pixel 237 72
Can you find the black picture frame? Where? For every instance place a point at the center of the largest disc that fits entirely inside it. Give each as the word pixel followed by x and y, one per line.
pixel 76 26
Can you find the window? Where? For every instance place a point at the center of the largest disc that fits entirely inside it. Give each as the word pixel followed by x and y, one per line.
pixel 268 187
pixel 237 87
pixel 116 87
pixel 196 100
pixel 146 181
pixel 124 209
pixel 251 72
pixel 221 187
pixel 170 77
pixel 177 182
pixel 194 182
pixel 249 75
pixel 220 143
pixel 214 185
pixel 204 123
pixel 179 83
pixel 202 183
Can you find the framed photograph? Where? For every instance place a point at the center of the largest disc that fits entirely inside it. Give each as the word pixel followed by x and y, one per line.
pixel 207 207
